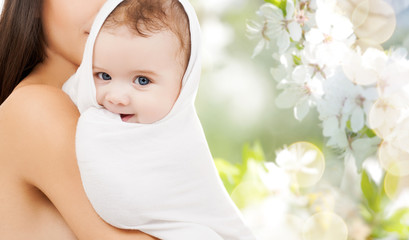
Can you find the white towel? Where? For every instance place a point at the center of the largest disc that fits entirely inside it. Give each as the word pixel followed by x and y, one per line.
pixel 1 5
pixel 158 178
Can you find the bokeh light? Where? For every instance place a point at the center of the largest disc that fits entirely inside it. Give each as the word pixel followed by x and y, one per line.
pixel 310 170
pixel 325 226
pixel 374 21
pixel 393 159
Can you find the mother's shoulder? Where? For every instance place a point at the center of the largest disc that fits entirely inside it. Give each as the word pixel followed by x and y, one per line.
pixel 37 125
pixel 38 114
pixel 39 102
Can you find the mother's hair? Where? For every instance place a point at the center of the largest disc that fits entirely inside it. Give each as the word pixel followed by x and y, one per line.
pixel 22 43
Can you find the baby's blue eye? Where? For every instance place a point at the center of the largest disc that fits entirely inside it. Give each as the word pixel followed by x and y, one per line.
pixel 142 80
pixel 104 76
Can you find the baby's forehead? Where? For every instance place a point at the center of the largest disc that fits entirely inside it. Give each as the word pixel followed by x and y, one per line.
pixel 145 17
pixel 166 36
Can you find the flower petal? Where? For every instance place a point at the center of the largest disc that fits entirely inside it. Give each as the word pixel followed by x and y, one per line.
pixel 259 47
pixel 270 11
pixel 300 74
pixel 287 98
pixel 301 109
pixel 311 171
pixel 289 8
pixel 314 36
pixel 295 31
pixel 339 140
pixel 283 41
pixel 308 157
pixel 330 126
pixel 357 119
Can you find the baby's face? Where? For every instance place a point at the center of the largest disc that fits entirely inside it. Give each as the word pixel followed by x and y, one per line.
pixel 137 77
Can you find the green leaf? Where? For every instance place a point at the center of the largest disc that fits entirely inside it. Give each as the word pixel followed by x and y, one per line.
pixel 246 152
pixel 367 187
pixel 253 152
pixel 258 152
pixel 280 4
pixel 229 173
pixel 395 223
pixel 251 189
pixel 274 2
pixel 348 125
pixel 242 180
pixel 297 60
pixel 371 192
pixel 299 46
pixel 366 213
pixel 368 132
pixel 248 193
pixel 283 7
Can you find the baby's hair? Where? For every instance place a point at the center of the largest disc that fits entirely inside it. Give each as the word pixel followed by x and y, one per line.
pixel 149 16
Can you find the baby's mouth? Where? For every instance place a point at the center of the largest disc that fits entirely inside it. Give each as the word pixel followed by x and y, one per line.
pixel 126 117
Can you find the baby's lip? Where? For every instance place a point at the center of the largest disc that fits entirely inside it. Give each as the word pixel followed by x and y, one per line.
pixel 125 117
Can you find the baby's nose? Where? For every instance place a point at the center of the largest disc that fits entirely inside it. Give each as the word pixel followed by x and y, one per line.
pixel 118 98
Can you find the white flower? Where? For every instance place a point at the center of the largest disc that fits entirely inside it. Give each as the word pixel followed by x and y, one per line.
pixel 282 27
pixel 395 75
pixel 394 159
pixel 296 161
pixel 264 30
pixel 362 148
pixel 334 128
pixel 257 30
pixel 357 104
pixel 283 69
pixel 384 116
pixel 330 109
pixel 343 101
pixel 364 69
pixel 270 219
pixel 326 43
pixel 275 179
pixel 402 134
pixel 324 52
pixel 302 91
pixel 331 22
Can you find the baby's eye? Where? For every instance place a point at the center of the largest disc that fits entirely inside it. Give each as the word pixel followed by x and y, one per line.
pixel 142 80
pixel 104 76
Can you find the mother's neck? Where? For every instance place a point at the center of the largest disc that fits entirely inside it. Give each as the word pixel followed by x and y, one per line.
pixel 53 71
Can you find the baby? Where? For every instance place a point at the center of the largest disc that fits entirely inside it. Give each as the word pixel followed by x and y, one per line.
pixel 140 57
pixel 141 151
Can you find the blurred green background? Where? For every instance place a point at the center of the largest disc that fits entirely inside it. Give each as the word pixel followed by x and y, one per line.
pixel 236 105
pixel 236 97
pixel 235 101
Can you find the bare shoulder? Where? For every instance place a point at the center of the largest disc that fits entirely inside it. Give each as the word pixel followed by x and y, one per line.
pixel 36 120
pixel 37 142
pixel 38 111
pixel 39 102
pixel 37 108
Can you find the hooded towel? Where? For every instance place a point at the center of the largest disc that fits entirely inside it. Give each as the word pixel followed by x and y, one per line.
pixel 159 178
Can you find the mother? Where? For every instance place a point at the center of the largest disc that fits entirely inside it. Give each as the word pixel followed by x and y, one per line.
pixel 41 195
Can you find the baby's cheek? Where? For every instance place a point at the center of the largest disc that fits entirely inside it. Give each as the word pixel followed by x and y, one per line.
pixel 166 108
pixel 99 95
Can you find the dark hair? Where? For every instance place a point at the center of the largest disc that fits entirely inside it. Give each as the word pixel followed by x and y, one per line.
pixel 22 44
pixel 150 16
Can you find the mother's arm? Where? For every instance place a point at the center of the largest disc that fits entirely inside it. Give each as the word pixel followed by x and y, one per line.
pixel 43 120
